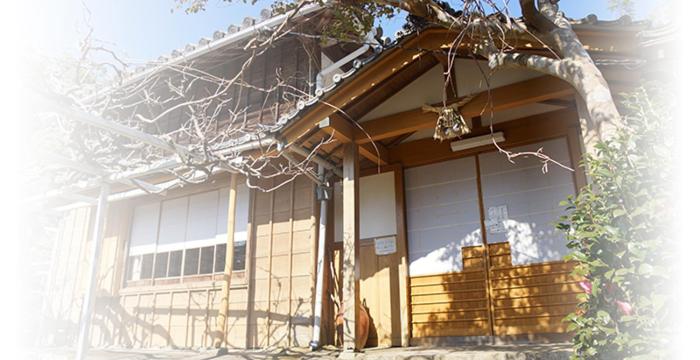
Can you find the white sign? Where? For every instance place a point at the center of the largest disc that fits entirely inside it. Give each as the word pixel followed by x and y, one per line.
pixel 497 216
pixel 385 245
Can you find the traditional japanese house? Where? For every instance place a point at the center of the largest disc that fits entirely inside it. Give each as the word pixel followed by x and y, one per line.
pixel 439 241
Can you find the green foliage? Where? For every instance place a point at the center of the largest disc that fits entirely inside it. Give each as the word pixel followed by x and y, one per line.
pixel 618 231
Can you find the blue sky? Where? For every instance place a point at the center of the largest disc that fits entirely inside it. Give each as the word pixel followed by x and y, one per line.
pixel 145 29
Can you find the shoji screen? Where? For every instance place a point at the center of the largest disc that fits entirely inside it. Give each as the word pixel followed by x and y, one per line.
pixel 144 229
pixel 521 203
pixel 442 209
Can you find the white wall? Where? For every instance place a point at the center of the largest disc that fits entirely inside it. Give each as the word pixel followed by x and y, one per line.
pixel 377 207
pixel 532 200
pixel 426 89
pixel 470 76
pixel 442 215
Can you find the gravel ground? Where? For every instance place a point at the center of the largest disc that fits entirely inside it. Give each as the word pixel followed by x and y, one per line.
pixel 482 352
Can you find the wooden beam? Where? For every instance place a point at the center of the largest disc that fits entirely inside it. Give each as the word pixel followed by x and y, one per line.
pixel 351 247
pixel 421 45
pixel 505 97
pixel 569 102
pixel 222 317
pixel 526 130
pixel 344 131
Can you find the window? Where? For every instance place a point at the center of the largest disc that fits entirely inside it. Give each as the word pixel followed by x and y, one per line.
pixel 146 266
pixel 186 236
pixel 175 264
pixel 191 261
pixel 206 260
pixel 220 260
pixel 161 267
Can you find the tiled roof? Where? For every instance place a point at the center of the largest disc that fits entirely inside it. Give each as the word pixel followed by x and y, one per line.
pixel 386 44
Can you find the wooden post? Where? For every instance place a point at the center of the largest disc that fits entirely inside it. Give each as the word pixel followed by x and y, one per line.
pixel 351 246
pixel 222 317
pixel 402 246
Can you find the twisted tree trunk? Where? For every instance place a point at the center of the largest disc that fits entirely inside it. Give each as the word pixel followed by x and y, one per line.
pixel 570 62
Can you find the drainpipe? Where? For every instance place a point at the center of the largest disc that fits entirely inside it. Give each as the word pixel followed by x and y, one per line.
pixel 89 297
pixel 323 194
pixel 370 41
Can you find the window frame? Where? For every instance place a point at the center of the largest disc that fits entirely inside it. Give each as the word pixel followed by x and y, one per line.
pixel 127 273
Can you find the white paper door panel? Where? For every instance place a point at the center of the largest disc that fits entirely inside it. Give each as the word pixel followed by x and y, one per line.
pixel 144 229
pixel 222 214
pixel 442 215
pixel 241 219
pixel 377 207
pixel 202 219
pixel 173 224
pixel 532 200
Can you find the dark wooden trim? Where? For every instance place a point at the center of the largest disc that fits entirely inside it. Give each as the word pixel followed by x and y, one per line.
pixel 517 132
pixel 502 98
pixel 485 244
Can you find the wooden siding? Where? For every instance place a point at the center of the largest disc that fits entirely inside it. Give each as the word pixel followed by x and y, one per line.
pixel 524 299
pixel 275 310
pixel 533 298
pixel 453 304
pixel 280 296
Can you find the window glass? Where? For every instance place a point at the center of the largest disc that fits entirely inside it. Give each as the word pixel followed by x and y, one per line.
pixel 220 261
pixel 175 263
pixel 146 266
pixel 191 262
pixel 206 260
pixel 186 235
pixel 239 256
pixel 161 267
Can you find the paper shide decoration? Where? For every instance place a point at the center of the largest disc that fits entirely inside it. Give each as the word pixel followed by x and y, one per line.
pixel 450 123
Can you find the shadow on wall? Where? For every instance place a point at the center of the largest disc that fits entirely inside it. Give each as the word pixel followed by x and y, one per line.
pixel 137 327
pixel 521 299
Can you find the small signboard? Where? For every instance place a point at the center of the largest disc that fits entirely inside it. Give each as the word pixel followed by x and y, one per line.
pixel 497 216
pixel 385 245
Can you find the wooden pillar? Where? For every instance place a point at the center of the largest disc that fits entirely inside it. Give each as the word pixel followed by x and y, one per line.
pixel 351 246
pixel 402 247
pixel 222 317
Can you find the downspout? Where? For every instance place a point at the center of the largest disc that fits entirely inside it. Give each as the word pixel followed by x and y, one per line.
pixel 370 41
pixel 95 254
pixel 323 194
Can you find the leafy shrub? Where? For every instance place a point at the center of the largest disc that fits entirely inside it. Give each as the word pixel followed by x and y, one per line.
pixel 618 231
